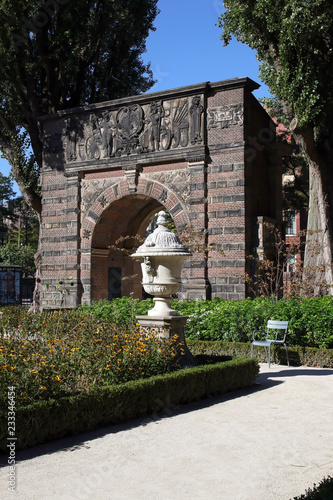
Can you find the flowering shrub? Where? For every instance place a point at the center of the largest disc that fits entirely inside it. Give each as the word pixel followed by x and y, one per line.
pixel 64 352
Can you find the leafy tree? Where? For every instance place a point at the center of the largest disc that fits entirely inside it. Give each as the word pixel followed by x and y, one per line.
pixel 295 189
pixel 6 189
pixel 24 229
pixel 294 42
pixel 6 211
pixel 58 54
pixel 21 256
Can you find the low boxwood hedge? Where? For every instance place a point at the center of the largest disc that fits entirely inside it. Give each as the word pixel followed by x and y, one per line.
pixel 53 419
pixel 298 356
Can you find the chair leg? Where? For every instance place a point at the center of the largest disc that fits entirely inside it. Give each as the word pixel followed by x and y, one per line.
pixel 251 350
pixel 287 354
pixel 269 356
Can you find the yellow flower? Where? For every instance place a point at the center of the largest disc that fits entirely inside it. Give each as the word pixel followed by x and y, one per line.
pixel 58 378
pixel 42 387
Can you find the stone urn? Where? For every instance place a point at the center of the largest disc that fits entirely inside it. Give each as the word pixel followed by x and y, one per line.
pixel 162 256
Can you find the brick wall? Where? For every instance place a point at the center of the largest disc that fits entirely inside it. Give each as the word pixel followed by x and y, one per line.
pixel 211 166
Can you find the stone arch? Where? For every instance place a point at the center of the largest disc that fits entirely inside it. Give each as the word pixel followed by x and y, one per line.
pixel 108 236
pixel 186 149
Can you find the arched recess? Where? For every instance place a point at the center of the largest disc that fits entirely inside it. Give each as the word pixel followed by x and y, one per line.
pixel 108 271
pixel 113 272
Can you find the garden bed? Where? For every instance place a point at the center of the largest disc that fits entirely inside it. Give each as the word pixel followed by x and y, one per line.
pixel 66 372
pixel 55 418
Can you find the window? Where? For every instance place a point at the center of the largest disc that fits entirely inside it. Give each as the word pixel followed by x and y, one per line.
pixel 290 219
pixel 114 290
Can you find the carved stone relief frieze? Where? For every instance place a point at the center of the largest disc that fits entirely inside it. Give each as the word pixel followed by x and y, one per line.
pixel 177 180
pixel 225 116
pixel 134 129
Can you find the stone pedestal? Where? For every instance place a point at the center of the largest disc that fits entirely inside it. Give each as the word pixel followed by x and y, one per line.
pixel 167 327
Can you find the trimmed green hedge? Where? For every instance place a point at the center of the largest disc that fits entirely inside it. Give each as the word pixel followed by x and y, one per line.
pixel 298 356
pixel 310 320
pixel 49 420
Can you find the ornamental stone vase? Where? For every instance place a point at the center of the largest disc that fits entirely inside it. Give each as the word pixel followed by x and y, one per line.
pixel 162 256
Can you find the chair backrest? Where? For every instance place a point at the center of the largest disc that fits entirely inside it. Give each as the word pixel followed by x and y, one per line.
pixel 278 326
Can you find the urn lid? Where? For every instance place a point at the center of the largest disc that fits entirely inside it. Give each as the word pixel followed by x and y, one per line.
pixel 162 241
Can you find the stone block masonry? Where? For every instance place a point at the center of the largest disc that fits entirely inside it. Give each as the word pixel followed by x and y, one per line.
pixel 109 168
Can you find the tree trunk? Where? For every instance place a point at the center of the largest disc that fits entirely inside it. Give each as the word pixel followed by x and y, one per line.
pixel 318 271
pixel 29 195
pixel 318 278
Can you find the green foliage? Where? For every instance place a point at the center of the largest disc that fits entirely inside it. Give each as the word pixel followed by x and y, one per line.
pixel 324 491
pixel 58 55
pixel 298 356
pixel 20 256
pixel 274 108
pixel 6 210
pixel 296 191
pixel 25 229
pixel 102 406
pixel 293 40
pixel 310 320
pixel 6 190
pixel 121 311
pixel 80 53
pixel 50 355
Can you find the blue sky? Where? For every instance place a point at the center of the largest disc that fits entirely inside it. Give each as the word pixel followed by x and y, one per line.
pixel 186 49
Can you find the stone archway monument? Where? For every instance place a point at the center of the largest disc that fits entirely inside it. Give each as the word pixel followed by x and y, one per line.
pixel 206 153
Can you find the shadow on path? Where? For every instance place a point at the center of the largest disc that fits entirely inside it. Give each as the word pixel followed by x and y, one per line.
pixel 265 380
pixel 80 441
pixel 294 372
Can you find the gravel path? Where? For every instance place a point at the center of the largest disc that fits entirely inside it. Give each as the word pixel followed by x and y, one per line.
pixel 269 442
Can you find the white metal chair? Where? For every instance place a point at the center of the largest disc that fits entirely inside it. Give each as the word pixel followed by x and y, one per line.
pixel 280 328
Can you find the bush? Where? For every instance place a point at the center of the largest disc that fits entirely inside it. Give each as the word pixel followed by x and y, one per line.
pixel 324 491
pixel 48 420
pixel 310 320
pixel 62 353
pixel 121 311
pixel 298 356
